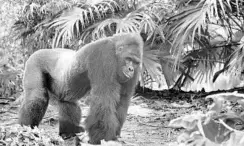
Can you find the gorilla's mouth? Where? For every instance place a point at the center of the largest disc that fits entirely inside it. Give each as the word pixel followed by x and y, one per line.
pixel 127 78
pixel 127 75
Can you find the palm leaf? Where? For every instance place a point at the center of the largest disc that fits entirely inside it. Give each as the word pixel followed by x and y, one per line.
pixel 193 21
pixel 193 25
pixel 151 64
pixel 237 60
pixel 72 22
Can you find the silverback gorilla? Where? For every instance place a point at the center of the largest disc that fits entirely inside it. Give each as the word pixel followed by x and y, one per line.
pixel 109 68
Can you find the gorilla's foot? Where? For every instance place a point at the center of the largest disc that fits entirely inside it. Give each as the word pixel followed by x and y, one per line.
pixel 68 130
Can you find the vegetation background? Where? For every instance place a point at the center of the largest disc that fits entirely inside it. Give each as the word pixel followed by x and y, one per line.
pixel 189 44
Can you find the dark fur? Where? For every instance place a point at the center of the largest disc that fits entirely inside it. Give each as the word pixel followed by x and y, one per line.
pixel 66 76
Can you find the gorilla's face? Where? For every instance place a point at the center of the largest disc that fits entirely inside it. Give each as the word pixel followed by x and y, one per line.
pixel 129 61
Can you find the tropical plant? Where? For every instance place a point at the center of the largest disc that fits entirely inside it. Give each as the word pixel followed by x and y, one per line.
pixel 206 34
pixel 11 58
pixel 184 40
pixel 215 127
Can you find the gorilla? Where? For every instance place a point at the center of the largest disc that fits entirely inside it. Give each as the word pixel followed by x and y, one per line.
pixel 108 68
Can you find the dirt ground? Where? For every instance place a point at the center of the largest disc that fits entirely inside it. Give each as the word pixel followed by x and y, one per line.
pixel 146 123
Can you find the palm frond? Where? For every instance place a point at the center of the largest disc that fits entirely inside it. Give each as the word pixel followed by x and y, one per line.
pixel 194 21
pixel 31 17
pixel 237 60
pixel 211 28
pixel 72 22
pixel 151 64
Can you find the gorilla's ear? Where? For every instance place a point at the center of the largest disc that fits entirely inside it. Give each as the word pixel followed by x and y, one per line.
pixel 119 50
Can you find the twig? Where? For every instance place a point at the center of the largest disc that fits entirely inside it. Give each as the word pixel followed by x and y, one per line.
pixel 226 126
pixel 151 125
pixel 128 143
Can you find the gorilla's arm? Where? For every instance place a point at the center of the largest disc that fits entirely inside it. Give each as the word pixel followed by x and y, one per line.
pixel 126 93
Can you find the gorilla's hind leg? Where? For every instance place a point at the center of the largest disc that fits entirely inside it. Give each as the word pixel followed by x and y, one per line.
pixel 33 107
pixel 69 119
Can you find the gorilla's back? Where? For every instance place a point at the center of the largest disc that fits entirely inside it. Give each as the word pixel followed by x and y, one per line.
pixel 58 74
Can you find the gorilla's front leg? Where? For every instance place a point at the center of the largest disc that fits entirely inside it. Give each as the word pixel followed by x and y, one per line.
pixel 102 122
pixel 69 119
pixel 122 110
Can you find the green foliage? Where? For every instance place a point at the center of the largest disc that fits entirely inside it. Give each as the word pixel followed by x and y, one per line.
pixel 17 135
pixel 11 57
pixel 10 82
pixel 207 34
pixel 33 13
pixel 11 69
pixel 214 127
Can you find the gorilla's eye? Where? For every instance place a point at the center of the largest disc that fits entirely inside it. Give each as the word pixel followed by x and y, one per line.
pixel 133 60
pixel 128 59
pixel 136 62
